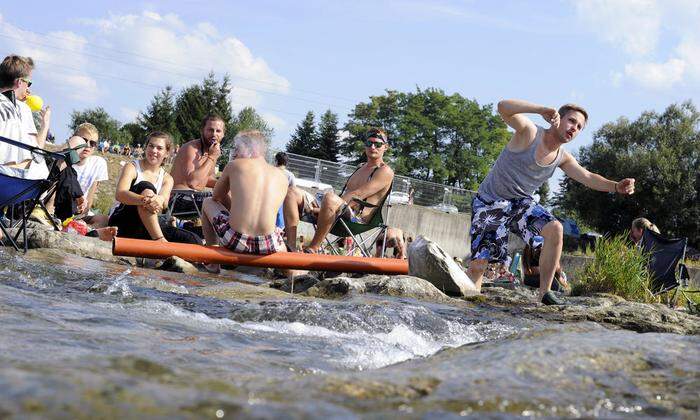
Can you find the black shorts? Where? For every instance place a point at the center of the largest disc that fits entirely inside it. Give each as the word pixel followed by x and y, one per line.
pixel 126 219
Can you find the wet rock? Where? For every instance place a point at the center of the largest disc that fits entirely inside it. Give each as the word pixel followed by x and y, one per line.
pixel 301 283
pixel 601 308
pixel 178 265
pixel 336 287
pixel 428 261
pixel 40 236
pixel 403 286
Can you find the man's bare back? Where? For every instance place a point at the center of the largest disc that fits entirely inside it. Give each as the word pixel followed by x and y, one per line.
pixel 257 191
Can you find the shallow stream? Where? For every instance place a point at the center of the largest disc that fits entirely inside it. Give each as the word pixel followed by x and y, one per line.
pixel 82 338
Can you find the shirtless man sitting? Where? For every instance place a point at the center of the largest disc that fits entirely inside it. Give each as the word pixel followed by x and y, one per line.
pixel 195 164
pixel 241 213
pixel 369 183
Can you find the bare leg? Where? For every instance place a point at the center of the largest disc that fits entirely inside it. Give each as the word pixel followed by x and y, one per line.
pixel 292 208
pixel 211 209
pixel 326 216
pixel 553 234
pixel 150 222
pixel 476 272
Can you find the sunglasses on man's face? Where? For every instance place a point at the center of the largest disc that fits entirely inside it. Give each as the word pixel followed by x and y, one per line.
pixel 27 81
pixel 376 143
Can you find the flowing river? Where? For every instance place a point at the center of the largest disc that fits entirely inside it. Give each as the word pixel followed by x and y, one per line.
pixel 86 339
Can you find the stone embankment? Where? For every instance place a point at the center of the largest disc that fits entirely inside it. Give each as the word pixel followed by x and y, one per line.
pixel 439 283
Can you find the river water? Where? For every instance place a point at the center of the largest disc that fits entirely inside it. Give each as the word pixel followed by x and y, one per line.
pixel 100 340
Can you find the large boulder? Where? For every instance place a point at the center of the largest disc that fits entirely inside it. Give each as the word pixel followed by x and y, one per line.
pixel 428 261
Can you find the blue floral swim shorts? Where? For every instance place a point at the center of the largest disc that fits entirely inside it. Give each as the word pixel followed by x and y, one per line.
pixel 492 220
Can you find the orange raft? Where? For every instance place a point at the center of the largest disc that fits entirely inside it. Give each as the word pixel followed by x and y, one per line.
pixel 217 255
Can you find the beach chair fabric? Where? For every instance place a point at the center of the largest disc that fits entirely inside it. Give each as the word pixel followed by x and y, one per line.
pixel 666 258
pixel 373 229
pixel 24 194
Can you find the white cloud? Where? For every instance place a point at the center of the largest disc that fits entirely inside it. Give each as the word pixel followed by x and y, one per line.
pixel 632 24
pixel 656 75
pixel 61 67
pixel 128 52
pixel 166 50
pixel 660 38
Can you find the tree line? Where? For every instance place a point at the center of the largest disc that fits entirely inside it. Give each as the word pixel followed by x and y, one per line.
pixel 179 114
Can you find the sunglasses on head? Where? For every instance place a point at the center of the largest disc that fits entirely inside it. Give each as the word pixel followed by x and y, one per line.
pixel 376 143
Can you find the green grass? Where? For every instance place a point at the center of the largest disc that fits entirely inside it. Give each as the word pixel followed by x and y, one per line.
pixel 618 268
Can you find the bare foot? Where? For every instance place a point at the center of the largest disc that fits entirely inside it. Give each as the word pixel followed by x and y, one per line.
pixel 107 233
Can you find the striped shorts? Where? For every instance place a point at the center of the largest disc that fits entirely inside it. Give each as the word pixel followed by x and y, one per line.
pixel 246 244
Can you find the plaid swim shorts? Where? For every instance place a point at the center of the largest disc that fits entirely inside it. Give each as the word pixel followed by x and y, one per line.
pixel 492 220
pixel 247 244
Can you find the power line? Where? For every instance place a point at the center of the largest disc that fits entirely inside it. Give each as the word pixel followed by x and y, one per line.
pixel 62 69
pixel 161 61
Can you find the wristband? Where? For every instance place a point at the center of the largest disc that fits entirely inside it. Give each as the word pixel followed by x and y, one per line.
pixel 616 192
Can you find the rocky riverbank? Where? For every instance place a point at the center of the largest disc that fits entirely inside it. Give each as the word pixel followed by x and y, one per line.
pixel 608 310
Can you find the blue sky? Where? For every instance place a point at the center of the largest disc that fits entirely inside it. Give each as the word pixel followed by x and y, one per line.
pixel 616 57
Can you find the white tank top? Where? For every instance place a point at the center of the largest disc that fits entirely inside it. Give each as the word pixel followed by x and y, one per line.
pixel 139 176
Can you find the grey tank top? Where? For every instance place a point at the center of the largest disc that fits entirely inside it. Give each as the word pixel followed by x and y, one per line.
pixel 517 174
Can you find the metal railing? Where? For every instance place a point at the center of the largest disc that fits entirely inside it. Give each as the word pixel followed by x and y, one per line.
pixel 418 192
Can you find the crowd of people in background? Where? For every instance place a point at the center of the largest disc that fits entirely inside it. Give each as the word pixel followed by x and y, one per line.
pixel 254 207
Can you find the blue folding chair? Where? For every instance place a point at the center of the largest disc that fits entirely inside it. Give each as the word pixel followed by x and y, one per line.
pixel 20 195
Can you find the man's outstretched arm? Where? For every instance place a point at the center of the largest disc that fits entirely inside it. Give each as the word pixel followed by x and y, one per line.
pixel 594 181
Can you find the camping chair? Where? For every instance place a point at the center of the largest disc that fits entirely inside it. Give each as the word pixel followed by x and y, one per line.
pixel 664 256
pixel 187 195
pixel 344 228
pixel 22 195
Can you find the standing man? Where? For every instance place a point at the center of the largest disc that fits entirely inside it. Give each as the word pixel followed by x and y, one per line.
pixel 195 163
pixel 505 198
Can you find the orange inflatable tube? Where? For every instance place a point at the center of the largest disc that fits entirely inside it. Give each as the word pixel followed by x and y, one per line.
pixel 217 255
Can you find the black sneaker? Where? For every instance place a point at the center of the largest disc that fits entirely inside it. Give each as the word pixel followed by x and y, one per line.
pixel 550 298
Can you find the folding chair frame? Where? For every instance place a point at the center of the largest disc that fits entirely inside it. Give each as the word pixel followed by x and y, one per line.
pixel 170 214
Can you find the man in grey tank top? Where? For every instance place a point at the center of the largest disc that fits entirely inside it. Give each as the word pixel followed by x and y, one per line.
pixel 505 199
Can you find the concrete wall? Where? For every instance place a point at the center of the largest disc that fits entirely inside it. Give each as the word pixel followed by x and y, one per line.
pixel 450 231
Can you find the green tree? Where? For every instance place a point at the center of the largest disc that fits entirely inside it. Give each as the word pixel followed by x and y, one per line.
pixel 433 136
pixel 304 140
pixel 195 102
pixel 328 136
pixel 136 133
pixel 543 192
pixel 661 152
pixel 160 115
pixel 108 127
